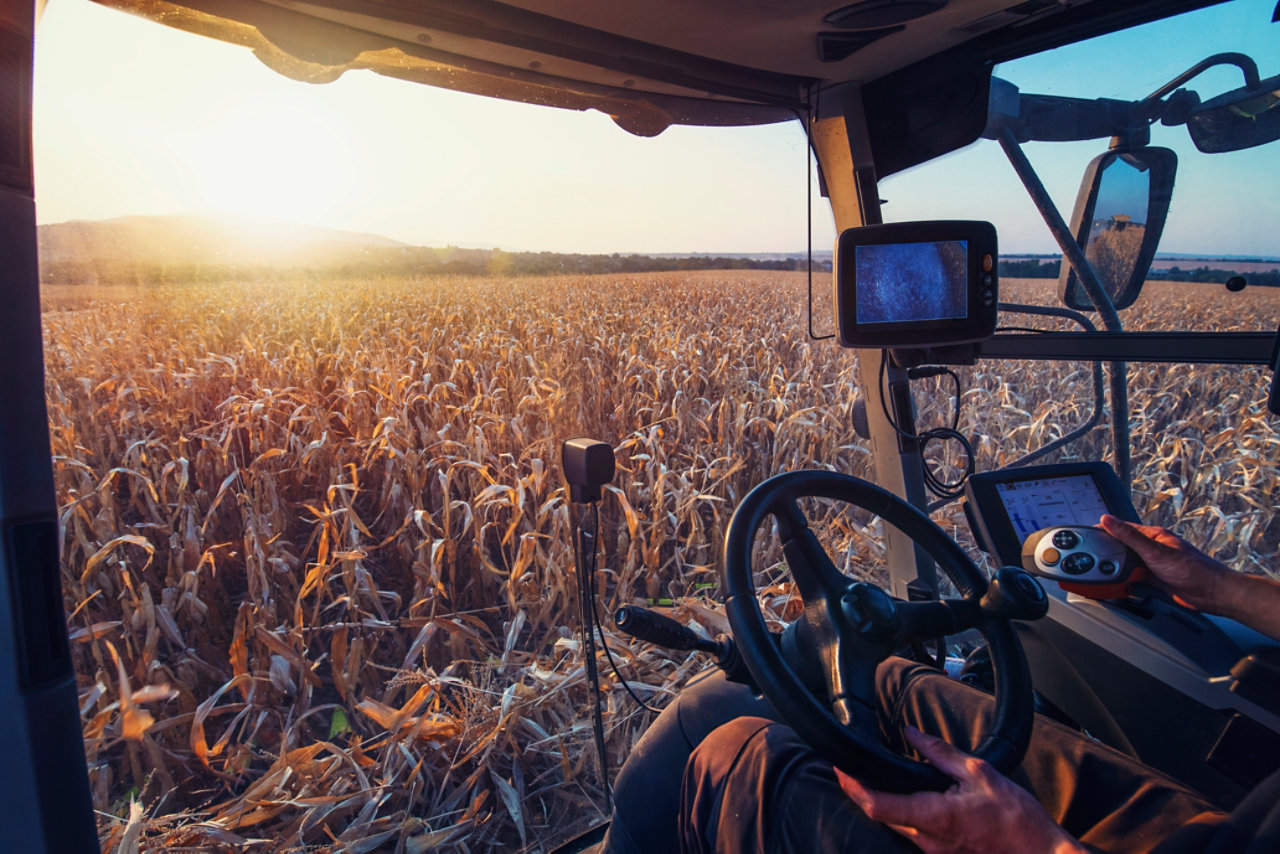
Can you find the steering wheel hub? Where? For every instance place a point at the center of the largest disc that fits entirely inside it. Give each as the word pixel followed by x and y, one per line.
pixel 870 611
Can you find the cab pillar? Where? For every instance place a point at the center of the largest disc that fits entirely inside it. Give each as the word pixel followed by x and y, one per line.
pixel 840 141
pixel 45 785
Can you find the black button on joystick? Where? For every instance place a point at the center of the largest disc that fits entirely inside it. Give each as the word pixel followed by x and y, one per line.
pixel 1066 539
pixel 1078 563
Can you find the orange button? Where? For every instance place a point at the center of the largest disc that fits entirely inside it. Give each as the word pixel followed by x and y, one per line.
pixel 987 263
pixel 1050 556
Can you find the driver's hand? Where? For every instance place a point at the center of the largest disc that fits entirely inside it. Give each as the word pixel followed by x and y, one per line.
pixel 1181 569
pixel 983 813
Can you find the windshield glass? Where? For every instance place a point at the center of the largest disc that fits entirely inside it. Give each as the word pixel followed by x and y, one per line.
pixel 311 353
pixel 1217 223
pixel 1200 438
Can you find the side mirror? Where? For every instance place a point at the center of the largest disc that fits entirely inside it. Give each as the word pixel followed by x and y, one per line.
pixel 1241 118
pixel 1118 219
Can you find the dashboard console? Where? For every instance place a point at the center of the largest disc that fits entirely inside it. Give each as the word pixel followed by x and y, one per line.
pixel 1007 506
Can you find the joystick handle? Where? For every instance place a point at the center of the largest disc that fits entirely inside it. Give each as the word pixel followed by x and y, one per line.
pixel 1083 560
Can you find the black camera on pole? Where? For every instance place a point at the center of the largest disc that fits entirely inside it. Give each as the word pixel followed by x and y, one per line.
pixel 588 465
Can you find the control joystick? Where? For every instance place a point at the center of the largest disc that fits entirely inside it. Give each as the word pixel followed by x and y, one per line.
pixel 1083 560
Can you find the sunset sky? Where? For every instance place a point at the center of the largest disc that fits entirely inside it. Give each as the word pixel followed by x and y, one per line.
pixel 135 118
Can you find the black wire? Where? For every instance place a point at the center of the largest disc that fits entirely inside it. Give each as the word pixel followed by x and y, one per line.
pixel 937 486
pixel 595 607
pixel 586 610
pixel 807 121
pixel 884 405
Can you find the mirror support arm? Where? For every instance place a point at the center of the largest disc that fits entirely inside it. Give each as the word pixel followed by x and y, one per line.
pixel 1074 255
pixel 1245 63
pixel 1060 230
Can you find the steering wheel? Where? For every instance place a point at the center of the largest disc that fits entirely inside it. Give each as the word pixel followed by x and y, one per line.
pixel 852 626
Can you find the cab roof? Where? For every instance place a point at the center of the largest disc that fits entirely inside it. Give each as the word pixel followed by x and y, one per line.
pixel 924 65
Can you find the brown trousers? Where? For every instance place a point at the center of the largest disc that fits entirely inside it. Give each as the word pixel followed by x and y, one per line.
pixel 753 785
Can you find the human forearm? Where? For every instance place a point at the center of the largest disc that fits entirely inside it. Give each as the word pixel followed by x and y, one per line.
pixel 1249 599
pixel 1197 580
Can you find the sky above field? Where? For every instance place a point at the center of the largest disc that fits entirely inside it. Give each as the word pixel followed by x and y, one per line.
pixel 135 118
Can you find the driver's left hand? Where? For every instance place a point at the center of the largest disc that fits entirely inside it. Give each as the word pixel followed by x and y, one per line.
pixel 983 813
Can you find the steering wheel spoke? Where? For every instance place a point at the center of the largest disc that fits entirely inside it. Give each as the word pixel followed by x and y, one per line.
pixel 851 680
pixel 939 618
pixel 815 574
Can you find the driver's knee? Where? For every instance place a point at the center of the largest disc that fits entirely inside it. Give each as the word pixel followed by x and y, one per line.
pixel 646 794
pixel 926 698
pixel 710 778
pixel 754 785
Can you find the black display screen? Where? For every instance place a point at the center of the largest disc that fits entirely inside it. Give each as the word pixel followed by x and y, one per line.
pixel 1006 505
pixel 900 282
pixel 916 284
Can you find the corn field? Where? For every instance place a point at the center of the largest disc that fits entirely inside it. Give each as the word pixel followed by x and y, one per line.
pixel 316 549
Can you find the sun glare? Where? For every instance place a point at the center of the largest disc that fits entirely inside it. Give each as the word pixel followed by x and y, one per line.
pixel 280 155
pixel 134 118
pixel 257 146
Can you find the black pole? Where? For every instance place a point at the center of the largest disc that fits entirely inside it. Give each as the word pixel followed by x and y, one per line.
pixel 586 558
pixel 1074 255
pixel 588 465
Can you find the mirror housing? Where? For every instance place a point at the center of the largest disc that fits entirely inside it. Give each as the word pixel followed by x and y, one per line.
pixel 1119 216
pixel 1241 118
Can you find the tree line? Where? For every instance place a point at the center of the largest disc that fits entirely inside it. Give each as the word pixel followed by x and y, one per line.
pixel 408 261
pixel 1034 268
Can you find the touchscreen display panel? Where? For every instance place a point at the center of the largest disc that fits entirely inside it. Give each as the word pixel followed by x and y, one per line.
pixel 1045 502
pixel 903 282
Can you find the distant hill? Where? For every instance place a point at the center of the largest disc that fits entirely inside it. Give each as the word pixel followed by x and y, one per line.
pixel 108 248
pixel 190 247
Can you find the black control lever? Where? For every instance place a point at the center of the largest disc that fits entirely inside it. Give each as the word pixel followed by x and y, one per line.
pixel 657 629
pixel 1014 594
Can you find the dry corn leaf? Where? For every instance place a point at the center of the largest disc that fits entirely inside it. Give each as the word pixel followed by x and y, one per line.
pixel 105 551
pixel 199 746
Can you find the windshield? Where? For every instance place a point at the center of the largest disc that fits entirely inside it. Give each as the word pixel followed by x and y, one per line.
pixel 311 353
pixel 1217 224
pixel 1200 439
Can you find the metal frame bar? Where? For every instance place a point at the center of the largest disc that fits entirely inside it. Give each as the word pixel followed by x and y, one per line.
pixel 1226 348
pixel 1073 254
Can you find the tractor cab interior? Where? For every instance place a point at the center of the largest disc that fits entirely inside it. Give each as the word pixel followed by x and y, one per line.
pixel 1185 692
pixel 987 550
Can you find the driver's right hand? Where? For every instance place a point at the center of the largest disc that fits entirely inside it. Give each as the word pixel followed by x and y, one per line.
pixel 983 813
pixel 1197 580
pixel 1179 568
